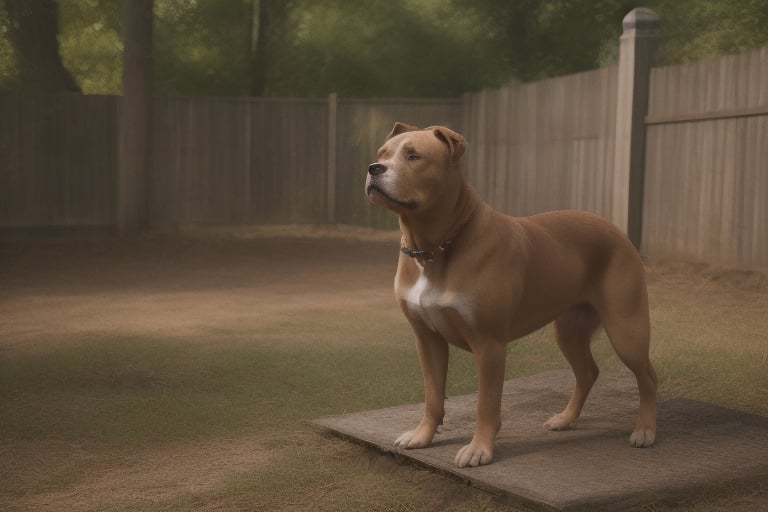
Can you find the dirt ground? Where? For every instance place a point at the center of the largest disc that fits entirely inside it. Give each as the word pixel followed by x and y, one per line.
pixel 68 291
pixel 183 283
pixel 58 292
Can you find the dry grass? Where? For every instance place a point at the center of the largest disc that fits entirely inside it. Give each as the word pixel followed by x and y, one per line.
pixel 177 373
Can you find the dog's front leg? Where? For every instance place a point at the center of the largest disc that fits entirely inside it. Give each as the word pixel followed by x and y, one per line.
pixel 490 358
pixel 433 359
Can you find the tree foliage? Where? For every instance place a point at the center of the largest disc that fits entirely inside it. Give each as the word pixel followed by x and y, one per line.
pixel 537 39
pixel 32 29
pixel 383 48
pixel 90 43
pixel 697 29
pixel 375 47
pixel 202 47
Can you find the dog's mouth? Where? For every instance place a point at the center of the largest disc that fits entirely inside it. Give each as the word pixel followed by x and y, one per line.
pixel 373 192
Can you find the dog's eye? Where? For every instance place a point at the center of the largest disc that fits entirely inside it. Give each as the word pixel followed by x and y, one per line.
pixel 414 156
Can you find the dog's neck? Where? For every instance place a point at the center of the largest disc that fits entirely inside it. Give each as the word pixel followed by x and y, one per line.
pixel 429 233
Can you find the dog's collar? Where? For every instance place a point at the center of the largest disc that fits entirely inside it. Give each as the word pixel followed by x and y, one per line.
pixel 429 256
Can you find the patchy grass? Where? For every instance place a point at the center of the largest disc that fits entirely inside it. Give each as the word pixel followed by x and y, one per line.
pixel 124 420
pixel 710 341
pixel 73 414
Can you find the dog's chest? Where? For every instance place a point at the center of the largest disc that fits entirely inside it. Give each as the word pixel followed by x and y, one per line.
pixel 439 309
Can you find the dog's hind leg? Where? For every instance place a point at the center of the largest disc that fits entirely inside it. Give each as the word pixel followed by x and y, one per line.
pixel 574 330
pixel 628 327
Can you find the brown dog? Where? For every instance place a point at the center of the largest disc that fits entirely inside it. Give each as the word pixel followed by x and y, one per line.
pixel 476 278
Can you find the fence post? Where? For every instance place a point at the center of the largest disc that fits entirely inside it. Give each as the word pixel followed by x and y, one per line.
pixel 331 162
pixel 637 54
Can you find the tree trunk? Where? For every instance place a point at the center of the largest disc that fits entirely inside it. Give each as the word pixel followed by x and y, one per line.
pixel 135 129
pixel 259 28
pixel 33 32
pixel 267 22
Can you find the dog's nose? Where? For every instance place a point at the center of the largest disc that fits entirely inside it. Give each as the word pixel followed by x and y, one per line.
pixel 376 168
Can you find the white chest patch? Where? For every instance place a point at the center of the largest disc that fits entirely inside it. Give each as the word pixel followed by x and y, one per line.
pixel 433 305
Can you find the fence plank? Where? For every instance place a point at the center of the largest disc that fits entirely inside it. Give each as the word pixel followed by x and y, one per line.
pixel 712 121
pixel 552 150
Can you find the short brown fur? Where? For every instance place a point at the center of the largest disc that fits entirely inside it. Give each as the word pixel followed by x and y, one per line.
pixel 501 278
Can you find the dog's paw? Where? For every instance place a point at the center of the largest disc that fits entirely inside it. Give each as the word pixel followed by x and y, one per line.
pixel 412 439
pixel 642 438
pixel 474 454
pixel 558 422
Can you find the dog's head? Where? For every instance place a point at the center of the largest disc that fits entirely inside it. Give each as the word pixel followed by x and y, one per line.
pixel 414 167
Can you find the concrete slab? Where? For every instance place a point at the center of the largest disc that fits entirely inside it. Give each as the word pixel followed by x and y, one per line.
pixel 591 467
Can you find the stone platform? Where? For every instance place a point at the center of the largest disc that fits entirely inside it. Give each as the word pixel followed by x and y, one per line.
pixel 592 467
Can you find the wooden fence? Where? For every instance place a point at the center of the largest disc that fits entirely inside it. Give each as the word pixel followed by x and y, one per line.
pixel 703 187
pixel 214 160
pixel 545 145
pixel 706 176
pixel 237 160
pixel 699 181
pixel 57 160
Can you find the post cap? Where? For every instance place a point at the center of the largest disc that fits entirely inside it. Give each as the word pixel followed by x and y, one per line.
pixel 641 19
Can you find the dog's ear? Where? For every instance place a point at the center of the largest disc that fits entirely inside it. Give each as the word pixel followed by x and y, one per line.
pixel 401 128
pixel 455 141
